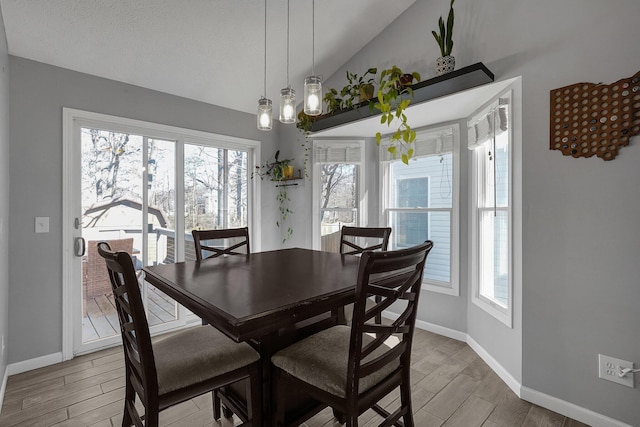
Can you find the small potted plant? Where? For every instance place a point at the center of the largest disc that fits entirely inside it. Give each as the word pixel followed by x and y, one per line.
pixel 332 101
pixel 446 63
pixel 358 88
pixel 393 97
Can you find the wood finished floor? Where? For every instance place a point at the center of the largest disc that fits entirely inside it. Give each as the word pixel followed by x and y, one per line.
pixel 451 386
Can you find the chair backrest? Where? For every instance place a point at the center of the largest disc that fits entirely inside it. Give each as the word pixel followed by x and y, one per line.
pixel 355 240
pixel 394 277
pixel 205 240
pixel 140 365
pixel 94 273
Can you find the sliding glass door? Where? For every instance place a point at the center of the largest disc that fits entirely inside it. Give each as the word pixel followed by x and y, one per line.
pixel 143 192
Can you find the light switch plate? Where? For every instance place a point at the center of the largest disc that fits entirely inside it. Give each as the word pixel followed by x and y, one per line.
pixel 42 224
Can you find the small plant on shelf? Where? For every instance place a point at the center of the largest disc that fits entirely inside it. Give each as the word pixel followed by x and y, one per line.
pixel 446 63
pixel 359 89
pixel 393 97
pixel 279 170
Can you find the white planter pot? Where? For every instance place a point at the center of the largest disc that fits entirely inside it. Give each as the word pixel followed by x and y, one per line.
pixel 445 64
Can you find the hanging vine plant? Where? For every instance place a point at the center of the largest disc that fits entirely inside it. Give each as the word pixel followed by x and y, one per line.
pixel 393 98
pixel 304 125
pixel 279 171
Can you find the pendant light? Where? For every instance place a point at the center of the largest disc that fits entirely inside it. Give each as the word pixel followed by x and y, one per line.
pixel 265 110
pixel 313 83
pixel 287 95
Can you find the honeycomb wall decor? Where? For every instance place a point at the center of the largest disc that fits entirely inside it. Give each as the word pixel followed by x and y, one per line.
pixel 590 119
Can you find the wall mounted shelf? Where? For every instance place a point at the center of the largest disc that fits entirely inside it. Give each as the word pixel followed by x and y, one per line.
pixel 426 90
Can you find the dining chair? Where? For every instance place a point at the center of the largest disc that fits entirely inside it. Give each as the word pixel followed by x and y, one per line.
pixel 354 241
pixel 213 244
pixel 169 370
pixel 204 241
pixel 352 368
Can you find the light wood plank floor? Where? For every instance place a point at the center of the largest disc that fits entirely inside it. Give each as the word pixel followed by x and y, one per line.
pixel 452 386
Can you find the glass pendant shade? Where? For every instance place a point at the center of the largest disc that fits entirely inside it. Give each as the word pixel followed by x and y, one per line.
pixel 313 95
pixel 265 114
pixel 287 106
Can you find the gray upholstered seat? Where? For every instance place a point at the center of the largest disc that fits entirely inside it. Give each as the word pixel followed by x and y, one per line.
pixel 182 359
pixel 321 360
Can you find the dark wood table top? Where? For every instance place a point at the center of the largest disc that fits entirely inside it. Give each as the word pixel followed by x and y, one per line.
pixel 251 296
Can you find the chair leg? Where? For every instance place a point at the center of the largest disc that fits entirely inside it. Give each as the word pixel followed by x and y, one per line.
pixel 405 399
pixel 216 405
pixel 254 400
pixel 352 421
pixel 278 396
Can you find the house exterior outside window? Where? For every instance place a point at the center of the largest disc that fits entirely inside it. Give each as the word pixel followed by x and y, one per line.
pixel 420 201
pixel 337 191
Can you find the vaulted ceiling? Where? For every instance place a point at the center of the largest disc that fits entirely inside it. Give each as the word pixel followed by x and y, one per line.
pixel 207 50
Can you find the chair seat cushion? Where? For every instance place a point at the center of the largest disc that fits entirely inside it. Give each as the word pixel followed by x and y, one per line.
pixel 197 354
pixel 321 360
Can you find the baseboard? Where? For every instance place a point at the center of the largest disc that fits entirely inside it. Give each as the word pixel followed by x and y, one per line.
pixel 504 375
pixel 570 410
pixel 3 387
pixel 31 364
pixel 562 407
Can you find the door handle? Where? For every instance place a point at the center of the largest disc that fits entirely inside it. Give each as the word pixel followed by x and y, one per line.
pixel 80 246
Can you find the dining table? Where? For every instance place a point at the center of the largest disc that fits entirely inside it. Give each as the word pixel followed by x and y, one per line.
pixel 268 299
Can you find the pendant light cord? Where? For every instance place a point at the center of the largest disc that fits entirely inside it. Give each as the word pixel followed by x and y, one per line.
pixel 313 37
pixel 265 48
pixel 288 85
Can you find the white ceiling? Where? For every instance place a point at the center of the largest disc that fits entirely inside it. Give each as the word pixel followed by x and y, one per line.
pixel 207 50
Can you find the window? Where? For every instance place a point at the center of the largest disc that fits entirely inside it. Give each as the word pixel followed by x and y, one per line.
pixel 337 175
pixel 420 202
pixel 491 275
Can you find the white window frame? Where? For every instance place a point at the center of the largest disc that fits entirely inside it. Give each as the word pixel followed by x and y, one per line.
pixel 503 314
pixel 317 187
pixel 73 120
pixel 447 288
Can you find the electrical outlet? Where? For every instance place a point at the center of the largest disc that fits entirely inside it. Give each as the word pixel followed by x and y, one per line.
pixel 609 369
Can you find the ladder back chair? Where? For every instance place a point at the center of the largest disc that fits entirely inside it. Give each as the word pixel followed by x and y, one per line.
pixel 183 365
pixel 213 244
pixel 352 368
pixel 354 241
pixel 240 237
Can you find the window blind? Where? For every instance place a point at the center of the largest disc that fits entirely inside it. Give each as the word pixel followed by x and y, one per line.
pixel 336 154
pixel 491 122
pixel 425 145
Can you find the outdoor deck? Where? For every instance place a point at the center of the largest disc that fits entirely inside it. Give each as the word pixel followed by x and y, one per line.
pixel 102 319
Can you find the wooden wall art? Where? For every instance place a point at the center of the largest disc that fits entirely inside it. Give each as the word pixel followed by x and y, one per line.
pixel 595 119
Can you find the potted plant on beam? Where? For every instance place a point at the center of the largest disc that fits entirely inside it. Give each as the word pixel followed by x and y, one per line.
pixel 446 63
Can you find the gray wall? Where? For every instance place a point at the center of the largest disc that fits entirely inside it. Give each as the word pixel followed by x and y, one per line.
pixel 580 223
pixel 37 94
pixel 581 238
pixel 4 196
